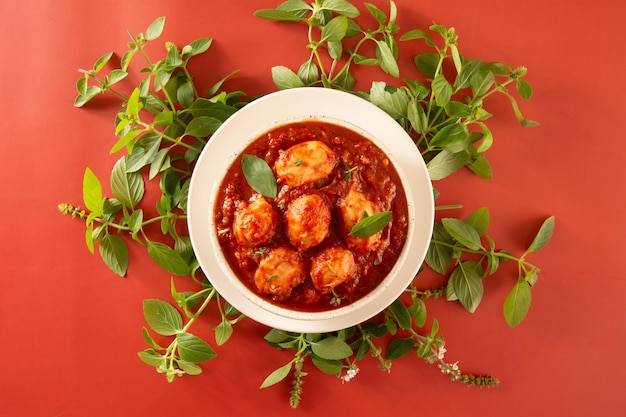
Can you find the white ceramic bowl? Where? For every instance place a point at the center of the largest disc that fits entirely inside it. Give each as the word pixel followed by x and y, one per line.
pixel 291 106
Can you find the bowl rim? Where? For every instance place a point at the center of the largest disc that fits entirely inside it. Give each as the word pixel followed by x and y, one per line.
pixel 288 106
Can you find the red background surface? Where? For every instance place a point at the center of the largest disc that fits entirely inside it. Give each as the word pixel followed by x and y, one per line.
pixel 70 329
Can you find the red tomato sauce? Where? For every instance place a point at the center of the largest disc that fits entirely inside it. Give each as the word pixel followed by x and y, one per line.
pixel 361 166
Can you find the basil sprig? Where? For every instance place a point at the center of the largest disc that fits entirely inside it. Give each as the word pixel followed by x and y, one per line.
pixel 259 175
pixel 370 225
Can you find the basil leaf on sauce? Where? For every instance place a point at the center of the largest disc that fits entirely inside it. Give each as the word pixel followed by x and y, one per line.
pixel 259 175
pixel 370 225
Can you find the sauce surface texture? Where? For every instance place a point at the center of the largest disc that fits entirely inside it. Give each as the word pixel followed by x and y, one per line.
pixel 296 250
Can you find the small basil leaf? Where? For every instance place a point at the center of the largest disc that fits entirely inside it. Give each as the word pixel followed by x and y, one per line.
pixel 259 175
pixel 517 303
pixel 277 376
pixel 155 29
pixel 193 349
pixel 331 348
pixel 162 317
pixel 543 235
pixel 398 348
pixel 285 78
pixel 114 253
pixel 370 225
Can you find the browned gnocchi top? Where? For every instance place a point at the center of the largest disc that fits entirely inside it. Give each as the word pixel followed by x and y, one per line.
pixel 296 250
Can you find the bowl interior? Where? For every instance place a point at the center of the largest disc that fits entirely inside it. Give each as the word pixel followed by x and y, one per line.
pixel 292 106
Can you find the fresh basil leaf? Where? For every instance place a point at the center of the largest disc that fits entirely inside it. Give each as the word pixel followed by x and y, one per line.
pixel 398 348
pixel 450 135
pixel 148 338
pixel 160 162
pixel 462 232
pixel 353 29
pixel 162 317
pixel 497 68
pixel 182 245
pixel 387 60
pixel 276 336
pixel 543 235
pixel 345 80
pixel 517 303
pixel 450 293
pixel 481 82
pixel 185 94
pixel 439 257
pixel 123 125
pixel 331 347
pixel 168 259
pixel 457 110
pixel 468 285
pixel 524 89
pixel 205 107
pixel 278 15
pixel 155 29
pixel 401 314
pixel 335 30
pixel 127 140
pixel 418 311
pixel 151 357
pixel 110 208
pixel 259 175
pixel 417 34
pixel 89 236
pixel 342 7
pixel 285 78
pixel 92 192
pixel 394 101
pixel 335 49
pixel 188 367
pixel 363 60
pixel 126 58
pixel 115 76
pixel 276 376
pixel 393 12
pixel 308 72
pixel 427 63
pixel 442 90
pixel 203 126
pixel 417 117
pixel 376 13
pixel 133 105
pixel 487 138
pixel 469 68
pixel 199 46
pixel 371 225
pixel 223 331
pixel 456 58
pixel 362 348
pixel 114 253
pixel 128 187
pixel 479 220
pixel 90 93
pixel 328 366
pixel 440 29
pixel 135 221
pixel 164 118
pixel 446 163
pixel 193 349
pixel 102 61
pixel 480 166
pixel 299 7
pixel 518 113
